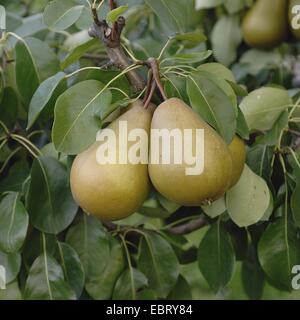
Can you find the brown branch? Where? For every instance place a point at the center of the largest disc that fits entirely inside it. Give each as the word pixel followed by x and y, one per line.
pixel 111 38
pixel 156 74
pixel 178 230
pixel 189 226
pixel 150 95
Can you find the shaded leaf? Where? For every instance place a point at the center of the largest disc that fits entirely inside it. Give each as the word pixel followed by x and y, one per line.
pixel 130 281
pixel 72 267
pixel 181 291
pixel 101 255
pixel 50 204
pixel 12 264
pixel 216 257
pixel 158 262
pixel 46 281
pixel 42 96
pixel 279 251
pixel 13 222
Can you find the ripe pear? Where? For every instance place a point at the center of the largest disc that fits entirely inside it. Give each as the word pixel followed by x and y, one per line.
pixel 238 156
pixel 113 191
pixel 265 24
pixel 293 19
pixel 171 179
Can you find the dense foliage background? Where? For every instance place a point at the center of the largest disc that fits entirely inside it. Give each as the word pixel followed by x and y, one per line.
pixel 51 69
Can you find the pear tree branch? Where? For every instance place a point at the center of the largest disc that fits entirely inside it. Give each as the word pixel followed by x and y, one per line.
pixel 181 229
pixel 111 38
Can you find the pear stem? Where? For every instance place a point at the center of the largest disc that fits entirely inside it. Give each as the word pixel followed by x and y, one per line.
pixel 152 90
pixel 156 74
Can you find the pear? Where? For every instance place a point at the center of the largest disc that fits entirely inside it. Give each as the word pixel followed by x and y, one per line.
pixel 113 191
pixel 292 16
pixel 265 24
pixel 238 156
pixel 171 180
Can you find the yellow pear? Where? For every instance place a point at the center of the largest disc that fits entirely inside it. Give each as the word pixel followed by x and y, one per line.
pixel 171 180
pixel 294 18
pixel 113 191
pixel 265 24
pixel 238 155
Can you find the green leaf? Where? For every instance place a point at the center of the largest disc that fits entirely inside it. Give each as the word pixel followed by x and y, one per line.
pixel 35 62
pixel 226 37
pixel 224 86
pixel 77 52
pixel 13 222
pixel 26 72
pixel 44 58
pixel 175 14
pixel 72 267
pixel 216 257
pixel 170 206
pixel 9 107
pixel 239 90
pixel 176 87
pixel 130 281
pixel 279 251
pixel 75 124
pixel 60 15
pixel 252 275
pixel 12 264
pixel 55 208
pixel 271 137
pixel 17 175
pixel 263 106
pixel 216 208
pixel 101 287
pixel 194 37
pixel 101 255
pixel 42 96
pixel 181 291
pixel 114 14
pixel 242 127
pixel 187 58
pixel 213 105
pixel 256 60
pixel 38 242
pixel 248 200
pixel 158 262
pixel 147 294
pixel 259 158
pixel 295 204
pixel 46 281
pixel 218 70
